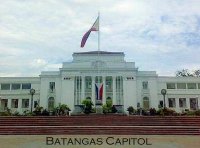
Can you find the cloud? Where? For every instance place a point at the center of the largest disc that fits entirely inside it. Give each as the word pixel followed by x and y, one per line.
pixel 38 63
pixel 39 35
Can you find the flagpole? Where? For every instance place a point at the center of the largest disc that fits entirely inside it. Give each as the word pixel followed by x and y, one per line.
pixel 98 82
pixel 98 48
pixel 99 33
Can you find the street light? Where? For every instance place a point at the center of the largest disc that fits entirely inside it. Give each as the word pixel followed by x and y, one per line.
pixel 163 92
pixel 0 103
pixel 32 92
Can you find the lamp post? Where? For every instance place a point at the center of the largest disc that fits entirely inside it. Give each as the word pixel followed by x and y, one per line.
pixel 163 92
pixel 0 103
pixel 32 92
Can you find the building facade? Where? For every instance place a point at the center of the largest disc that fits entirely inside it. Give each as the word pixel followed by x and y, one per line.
pixel 120 81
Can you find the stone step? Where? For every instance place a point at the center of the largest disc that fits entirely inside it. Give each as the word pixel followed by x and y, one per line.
pixel 100 131
pixel 120 125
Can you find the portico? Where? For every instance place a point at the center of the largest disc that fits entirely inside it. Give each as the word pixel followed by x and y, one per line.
pixel 112 88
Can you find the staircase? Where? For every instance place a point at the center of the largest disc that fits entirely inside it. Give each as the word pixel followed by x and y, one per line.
pixel 100 125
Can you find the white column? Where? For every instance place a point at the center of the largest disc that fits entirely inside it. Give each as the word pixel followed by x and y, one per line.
pixel 104 90
pixel 32 104
pixel 9 103
pixel 166 101
pixel 198 99
pixel 83 88
pixel 114 90
pixel 188 103
pixel 93 90
pixel 177 104
pixel 20 105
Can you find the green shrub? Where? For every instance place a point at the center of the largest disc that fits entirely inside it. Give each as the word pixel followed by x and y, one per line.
pixel 131 110
pixel 190 113
pixel 5 113
pixel 38 111
pixel 197 112
pixel 16 113
pixel 166 112
pixel 108 107
pixel 45 112
pixel 105 109
pixel 114 110
pixel 193 113
pixel 87 106
pixel 61 109
pixel 145 112
pixel 160 112
pixel 27 113
pixel 152 111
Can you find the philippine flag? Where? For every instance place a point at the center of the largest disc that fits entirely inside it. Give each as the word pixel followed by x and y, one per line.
pixel 95 27
pixel 99 91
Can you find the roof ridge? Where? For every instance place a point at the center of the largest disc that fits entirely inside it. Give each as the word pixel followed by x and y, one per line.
pixel 98 52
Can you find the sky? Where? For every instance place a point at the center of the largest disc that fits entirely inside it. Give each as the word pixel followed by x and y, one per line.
pixel 158 35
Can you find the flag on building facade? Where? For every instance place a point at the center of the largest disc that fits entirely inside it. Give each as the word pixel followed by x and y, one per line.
pixel 99 91
pixel 95 27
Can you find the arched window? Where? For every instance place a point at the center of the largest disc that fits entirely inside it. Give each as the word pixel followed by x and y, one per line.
pixel 146 103
pixel 51 103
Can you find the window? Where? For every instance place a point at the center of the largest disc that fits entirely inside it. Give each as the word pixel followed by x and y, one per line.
pixel 51 86
pixel 198 85
pixel 15 86
pixel 88 83
pixel 4 104
pixel 172 102
pixel 138 105
pixel 35 104
pixel 193 103
pixel 109 83
pixel 181 85
pixel 145 85
pixel 161 104
pixel 26 86
pixel 146 103
pixel 25 103
pixel 5 86
pixel 170 85
pixel 51 103
pixel 191 85
pixel 98 79
pixel 182 102
pixel 14 103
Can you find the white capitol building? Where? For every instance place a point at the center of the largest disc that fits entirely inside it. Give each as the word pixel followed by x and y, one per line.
pixel 122 82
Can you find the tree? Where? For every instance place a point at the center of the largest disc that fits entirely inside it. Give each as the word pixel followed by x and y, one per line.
pixel 197 73
pixel 105 109
pixel 88 106
pixel 131 110
pixel 62 109
pixel 187 73
pixel 184 73
pixel 108 107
